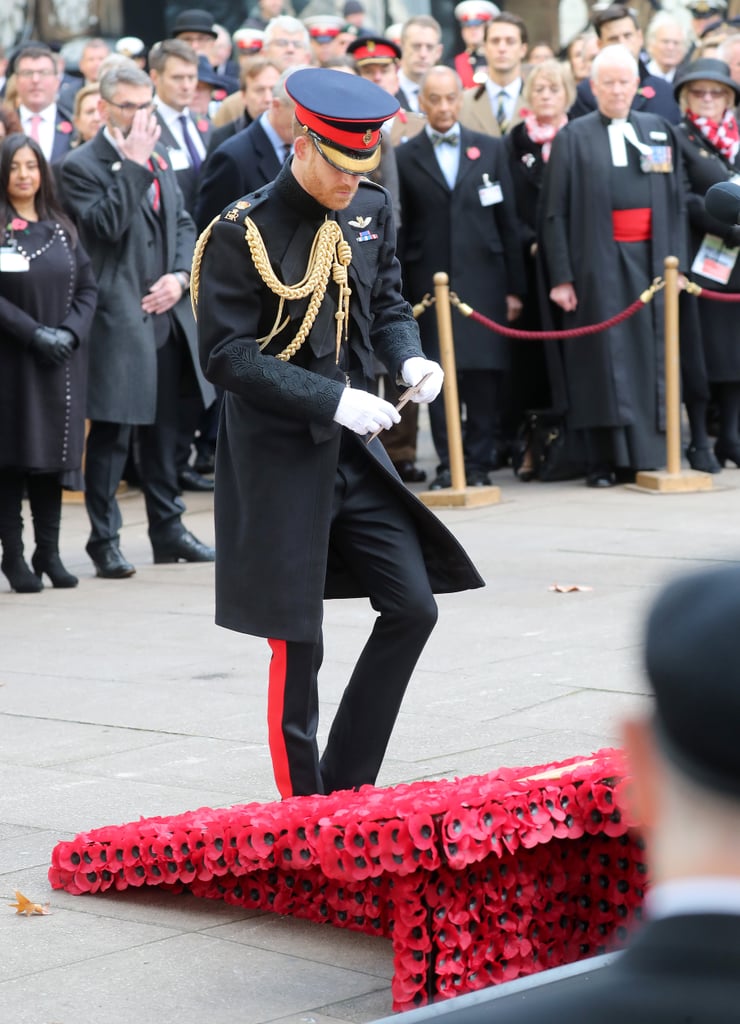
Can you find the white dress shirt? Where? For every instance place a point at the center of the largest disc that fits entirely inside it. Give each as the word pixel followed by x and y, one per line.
pixel 171 118
pixel 411 89
pixel 281 152
pixel 46 128
pixel 510 96
pixel 709 895
pixel 448 157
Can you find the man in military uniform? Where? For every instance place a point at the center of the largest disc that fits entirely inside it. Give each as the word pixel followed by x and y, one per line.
pixel 473 17
pixel 297 287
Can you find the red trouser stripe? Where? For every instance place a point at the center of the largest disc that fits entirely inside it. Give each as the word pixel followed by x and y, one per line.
pixel 275 707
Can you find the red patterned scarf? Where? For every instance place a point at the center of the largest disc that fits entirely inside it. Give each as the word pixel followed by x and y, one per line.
pixel 543 134
pixel 723 135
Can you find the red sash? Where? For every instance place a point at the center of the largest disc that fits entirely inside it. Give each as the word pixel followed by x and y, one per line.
pixel 633 225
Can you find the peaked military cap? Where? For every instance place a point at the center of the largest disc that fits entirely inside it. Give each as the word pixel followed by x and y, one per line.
pixel 322 28
pixel 373 50
pixel 343 115
pixel 475 12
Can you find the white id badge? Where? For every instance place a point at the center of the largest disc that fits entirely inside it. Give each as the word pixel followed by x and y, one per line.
pixel 11 261
pixel 178 159
pixel 490 192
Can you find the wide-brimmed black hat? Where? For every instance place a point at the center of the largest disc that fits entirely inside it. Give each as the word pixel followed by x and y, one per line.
pixel 706 69
pixel 195 20
pixel 691 660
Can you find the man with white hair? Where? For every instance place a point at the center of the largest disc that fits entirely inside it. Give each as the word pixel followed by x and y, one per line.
pixel 613 209
pixel 618 24
pixel 667 44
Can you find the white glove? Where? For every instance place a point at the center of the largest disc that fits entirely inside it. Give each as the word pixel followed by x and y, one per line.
pixel 364 413
pixel 417 367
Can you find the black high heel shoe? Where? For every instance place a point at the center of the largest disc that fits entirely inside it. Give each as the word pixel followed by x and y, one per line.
pixel 727 450
pixel 703 459
pixel 50 563
pixel 20 577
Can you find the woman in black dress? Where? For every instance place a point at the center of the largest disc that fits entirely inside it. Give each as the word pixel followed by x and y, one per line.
pixel 47 301
pixel 709 142
pixel 547 94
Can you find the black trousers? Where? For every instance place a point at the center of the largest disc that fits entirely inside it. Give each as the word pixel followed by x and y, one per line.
pixel 479 391
pixel 374 534
pixel 156 456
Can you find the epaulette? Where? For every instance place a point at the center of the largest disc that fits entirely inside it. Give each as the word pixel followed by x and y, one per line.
pixel 237 212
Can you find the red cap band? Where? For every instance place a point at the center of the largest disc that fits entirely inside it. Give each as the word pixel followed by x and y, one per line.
pixel 350 140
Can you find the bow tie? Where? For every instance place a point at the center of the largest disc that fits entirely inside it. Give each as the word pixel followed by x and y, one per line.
pixel 450 140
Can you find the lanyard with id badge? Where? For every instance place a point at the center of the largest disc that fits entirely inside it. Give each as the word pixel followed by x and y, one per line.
pixel 490 192
pixel 11 260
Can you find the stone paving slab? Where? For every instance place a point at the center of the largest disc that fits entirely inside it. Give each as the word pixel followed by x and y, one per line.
pixel 122 698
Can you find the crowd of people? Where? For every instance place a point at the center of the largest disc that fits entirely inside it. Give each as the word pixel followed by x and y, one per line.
pixel 548 184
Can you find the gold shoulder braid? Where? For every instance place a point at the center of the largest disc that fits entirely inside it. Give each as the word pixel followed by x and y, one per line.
pixel 330 256
pixel 200 246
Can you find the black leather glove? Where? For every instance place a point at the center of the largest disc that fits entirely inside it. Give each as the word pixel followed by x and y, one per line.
pixel 52 345
pixel 66 339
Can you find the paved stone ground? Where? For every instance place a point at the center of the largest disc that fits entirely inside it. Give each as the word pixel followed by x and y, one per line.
pixel 121 699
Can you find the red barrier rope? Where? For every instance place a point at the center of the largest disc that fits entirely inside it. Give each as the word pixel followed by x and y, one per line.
pixel 574 332
pixel 705 293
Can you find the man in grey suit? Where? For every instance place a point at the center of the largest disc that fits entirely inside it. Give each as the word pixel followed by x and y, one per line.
pixel 249 159
pixel 143 356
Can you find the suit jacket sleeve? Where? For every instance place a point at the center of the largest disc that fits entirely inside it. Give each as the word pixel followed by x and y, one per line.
pixel 556 212
pixel 221 185
pixel 106 204
pixel 186 235
pixel 509 227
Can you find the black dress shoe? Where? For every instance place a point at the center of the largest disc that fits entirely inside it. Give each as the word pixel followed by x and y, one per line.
pixel 442 479
pixel 183 547
pixel 109 562
pixel 477 478
pixel 205 462
pixel 410 472
pixel 703 459
pixel 727 451
pixel 602 476
pixel 189 480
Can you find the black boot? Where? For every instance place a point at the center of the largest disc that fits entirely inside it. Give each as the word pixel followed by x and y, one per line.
pixel 45 496
pixel 13 564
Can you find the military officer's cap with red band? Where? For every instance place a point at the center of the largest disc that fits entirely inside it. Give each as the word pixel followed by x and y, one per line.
pixel 343 115
pixel 323 28
pixel 475 12
pixel 373 50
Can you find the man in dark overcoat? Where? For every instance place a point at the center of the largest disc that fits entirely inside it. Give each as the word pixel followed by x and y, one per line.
pixel 143 349
pixel 612 210
pixel 459 216
pixel 298 286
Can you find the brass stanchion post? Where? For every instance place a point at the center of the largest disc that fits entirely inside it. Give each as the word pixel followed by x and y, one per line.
pixel 458 494
pixel 673 479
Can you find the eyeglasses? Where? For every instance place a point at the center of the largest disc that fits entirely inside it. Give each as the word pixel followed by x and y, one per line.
pixel 714 94
pixel 27 73
pixel 283 44
pixel 131 108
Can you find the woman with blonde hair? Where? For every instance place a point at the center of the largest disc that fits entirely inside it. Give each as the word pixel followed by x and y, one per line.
pixel 547 94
